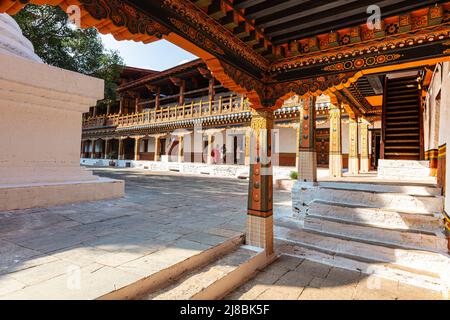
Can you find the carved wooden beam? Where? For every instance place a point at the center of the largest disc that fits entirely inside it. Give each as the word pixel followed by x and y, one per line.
pixel 204 72
pixel 176 81
pixel 217 9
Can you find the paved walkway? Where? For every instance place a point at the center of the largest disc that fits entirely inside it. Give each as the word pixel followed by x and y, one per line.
pixel 83 251
pixel 89 249
pixel 292 278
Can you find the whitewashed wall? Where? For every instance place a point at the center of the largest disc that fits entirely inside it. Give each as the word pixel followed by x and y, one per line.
pixel 440 85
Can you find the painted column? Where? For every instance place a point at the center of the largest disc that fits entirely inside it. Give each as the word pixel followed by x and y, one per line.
pixel 180 148
pixel 335 140
pixel 247 147
pixel 137 148
pixel 94 111
pixel 209 157
pixel 106 148
pixel 108 108
pixel 364 161
pixel 121 155
pixel 307 157
pixel 353 161
pixel 157 147
pixel 260 191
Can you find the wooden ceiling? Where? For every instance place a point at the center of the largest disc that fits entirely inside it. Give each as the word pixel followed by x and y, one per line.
pixel 271 27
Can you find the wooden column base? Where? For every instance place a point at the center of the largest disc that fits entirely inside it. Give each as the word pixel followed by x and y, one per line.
pixel 335 165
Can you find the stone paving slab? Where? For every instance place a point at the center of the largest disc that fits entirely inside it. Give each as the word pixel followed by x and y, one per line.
pixel 292 278
pixel 85 250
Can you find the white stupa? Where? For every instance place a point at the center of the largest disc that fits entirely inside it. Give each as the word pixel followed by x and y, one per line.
pixel 40 129
pixel 12 41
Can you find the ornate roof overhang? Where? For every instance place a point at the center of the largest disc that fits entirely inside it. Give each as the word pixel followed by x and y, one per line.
pixel 271 50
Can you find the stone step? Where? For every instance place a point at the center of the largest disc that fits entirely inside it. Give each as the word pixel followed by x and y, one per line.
pixel 408 148
pixel 381 236
pixel 385 270
pixel 215 280
pixel 415 261
pixel 184 260
pixel 375 199
pixel 400 141
pixel 377 217
pixel 397 187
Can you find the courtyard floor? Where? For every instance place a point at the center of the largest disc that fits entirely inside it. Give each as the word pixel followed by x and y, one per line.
pixel 83 251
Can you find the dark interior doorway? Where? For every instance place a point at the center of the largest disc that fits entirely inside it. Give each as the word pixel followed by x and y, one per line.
pixel 376 149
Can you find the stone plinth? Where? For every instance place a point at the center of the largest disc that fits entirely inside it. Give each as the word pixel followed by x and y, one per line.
pixel 40 128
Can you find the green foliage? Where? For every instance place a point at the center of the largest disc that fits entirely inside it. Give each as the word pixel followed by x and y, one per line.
pixel 63 45
pixel 112 155
pixel 293 175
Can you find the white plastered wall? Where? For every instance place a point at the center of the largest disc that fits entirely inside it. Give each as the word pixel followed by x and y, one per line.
pixel 440 86
pixel 287 142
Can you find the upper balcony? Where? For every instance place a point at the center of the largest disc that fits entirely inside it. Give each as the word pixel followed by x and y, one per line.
pixel 221 108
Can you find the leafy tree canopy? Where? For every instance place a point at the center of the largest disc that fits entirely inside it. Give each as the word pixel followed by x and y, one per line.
pixel 63 45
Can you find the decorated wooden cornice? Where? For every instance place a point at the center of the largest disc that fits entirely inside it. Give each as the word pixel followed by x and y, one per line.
pixel 207 27
pixel 311 66
pixel 108 16
pixel 409 29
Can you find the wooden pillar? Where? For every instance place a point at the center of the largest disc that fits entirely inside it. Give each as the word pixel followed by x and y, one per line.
pixel 180 148
pixel 137 100
pixel 335 157
pixel 157 147
pixel 211 91
pixel 121 104
pixel 137 148
pixel 353 161
pixel 182 90
pixel 157 98
pixel 121 155
pixel 209 157
pixel 364 161
pixel 105 156
pixel 94 111
pixel 260 190
pixel 93 148
pixel 307 156
pixel 108 108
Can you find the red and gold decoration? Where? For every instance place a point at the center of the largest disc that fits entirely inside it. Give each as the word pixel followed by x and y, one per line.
pixel 432 156
pixel 442 155
pixel 260 191
pixel 211 28
pixel 196 36
pixel 365 62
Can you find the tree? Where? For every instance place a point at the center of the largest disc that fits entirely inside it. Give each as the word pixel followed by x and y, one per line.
pixel 65 46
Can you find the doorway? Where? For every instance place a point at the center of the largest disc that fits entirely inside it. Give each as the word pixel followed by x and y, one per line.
pixel 376 148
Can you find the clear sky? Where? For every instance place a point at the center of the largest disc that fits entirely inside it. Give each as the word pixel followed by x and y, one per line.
pixel 159 55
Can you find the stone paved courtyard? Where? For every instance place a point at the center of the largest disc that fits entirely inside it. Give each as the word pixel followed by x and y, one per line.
pixel 83 251
pixel 168 216
pixel 292 278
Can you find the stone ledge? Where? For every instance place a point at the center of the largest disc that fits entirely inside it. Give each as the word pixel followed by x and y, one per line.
pixel 23 196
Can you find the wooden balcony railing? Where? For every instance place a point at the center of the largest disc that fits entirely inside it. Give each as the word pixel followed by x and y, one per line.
pixel 222 106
